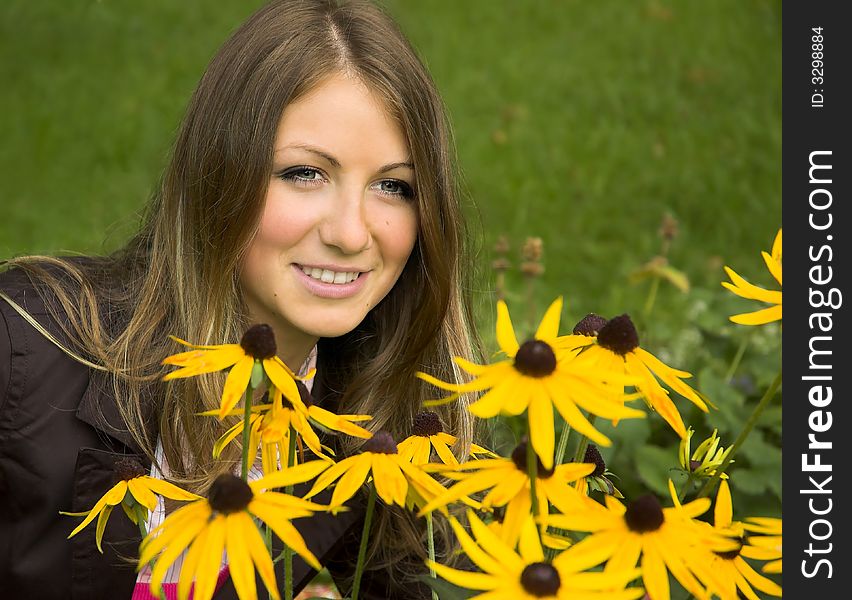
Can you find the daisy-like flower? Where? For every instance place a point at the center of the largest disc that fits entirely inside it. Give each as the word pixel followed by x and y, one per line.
pixel 667 539
pixel 614 346
pixel 224 522
pixel 526 575
pixel 134 487
pixel 744 289
pixel 736 572
pixel 270 428
pixel 509 484
pixel 257 344
pixel 536 377
pixel 396 480
pixel 428 434
pixel 599 479
pixel 764 542
pixel 708 457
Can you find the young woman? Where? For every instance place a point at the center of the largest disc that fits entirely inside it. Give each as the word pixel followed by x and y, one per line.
pixel 311 188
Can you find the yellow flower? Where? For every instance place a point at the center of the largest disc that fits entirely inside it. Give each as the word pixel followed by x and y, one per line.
pixel 134 487
pixel 536 377
pixel 526 575
pixel 429 434
pixel 270 428
pixel 744 289
pixel 224 522
pixel 257 345
pixel 736 572
pixel 667 539
pixel 766 545
pixel 615 346
pixel 509 484
pixel 708 457
pixel 394 477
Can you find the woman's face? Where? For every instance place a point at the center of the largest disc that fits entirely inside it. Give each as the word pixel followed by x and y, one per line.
pixel 339 220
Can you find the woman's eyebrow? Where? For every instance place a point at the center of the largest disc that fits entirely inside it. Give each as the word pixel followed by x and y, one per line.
pixel 336 163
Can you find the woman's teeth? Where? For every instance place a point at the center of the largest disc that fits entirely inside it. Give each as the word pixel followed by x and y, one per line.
pixel 327 276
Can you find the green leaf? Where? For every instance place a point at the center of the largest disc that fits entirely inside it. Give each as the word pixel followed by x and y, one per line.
pixel 653 465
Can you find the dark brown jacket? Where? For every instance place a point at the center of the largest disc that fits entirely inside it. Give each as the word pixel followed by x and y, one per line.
pixel 60 434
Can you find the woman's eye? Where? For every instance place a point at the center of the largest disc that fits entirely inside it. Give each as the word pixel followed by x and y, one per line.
pixel 392 187
pixel 303 175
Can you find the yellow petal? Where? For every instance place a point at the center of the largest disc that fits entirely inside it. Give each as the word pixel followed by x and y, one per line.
pixel 99 528
pixel 286 532
pixel 337 423
pixel 759 317
pixel 142 492
pixel 238 526
pixel 207 572
pixel 744 289
pixel 724 511
pixel 540 417
pixel 529 544
pixel 773 266
pixel 190 564
pixel 465 579
pixel 290 476
pixel 492 544
pixel 391 485
pixel 548 329
pixel 112 497
pixel 263 562
pixel 351 481
pixel 281 378
pixel 505 332
pixel 176 546
pixel 235 385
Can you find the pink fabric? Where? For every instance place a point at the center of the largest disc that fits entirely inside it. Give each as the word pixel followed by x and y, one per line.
pixel 142 591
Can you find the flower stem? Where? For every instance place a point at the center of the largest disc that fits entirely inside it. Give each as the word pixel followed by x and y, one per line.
pixel 247 429
pixel 288 552
pixel 431 548
pixel 583 443
pixel 686 487
pixel 651 299
pixel 563 443
pixel 532 472
pixel 732 370
pixel 752 421
pixel 365 535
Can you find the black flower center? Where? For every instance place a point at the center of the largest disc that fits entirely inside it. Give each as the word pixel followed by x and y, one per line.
pixel 593 455
pixel 619 335
pixel 694 464
pixel 519 457
pixel 590 325
pixel 381 443
pixel 229 494
pixel 259 341
pixel 427 424
pixel 535 359
pixel 644 514
pixel 128 468
pixel 540 579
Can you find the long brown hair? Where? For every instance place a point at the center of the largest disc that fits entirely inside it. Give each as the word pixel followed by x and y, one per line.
pixel 179 274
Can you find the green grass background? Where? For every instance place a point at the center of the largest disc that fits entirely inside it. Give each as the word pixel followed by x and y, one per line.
pixel 581 123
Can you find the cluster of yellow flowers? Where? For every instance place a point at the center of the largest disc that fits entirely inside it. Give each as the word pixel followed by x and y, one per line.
pixel 533 527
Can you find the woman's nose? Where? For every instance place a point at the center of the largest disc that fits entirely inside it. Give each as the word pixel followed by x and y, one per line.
pixel 345 225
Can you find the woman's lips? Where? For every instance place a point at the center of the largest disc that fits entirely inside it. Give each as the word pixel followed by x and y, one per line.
pixel 330 290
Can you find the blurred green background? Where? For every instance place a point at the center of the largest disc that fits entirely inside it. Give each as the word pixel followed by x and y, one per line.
pixel 581 123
